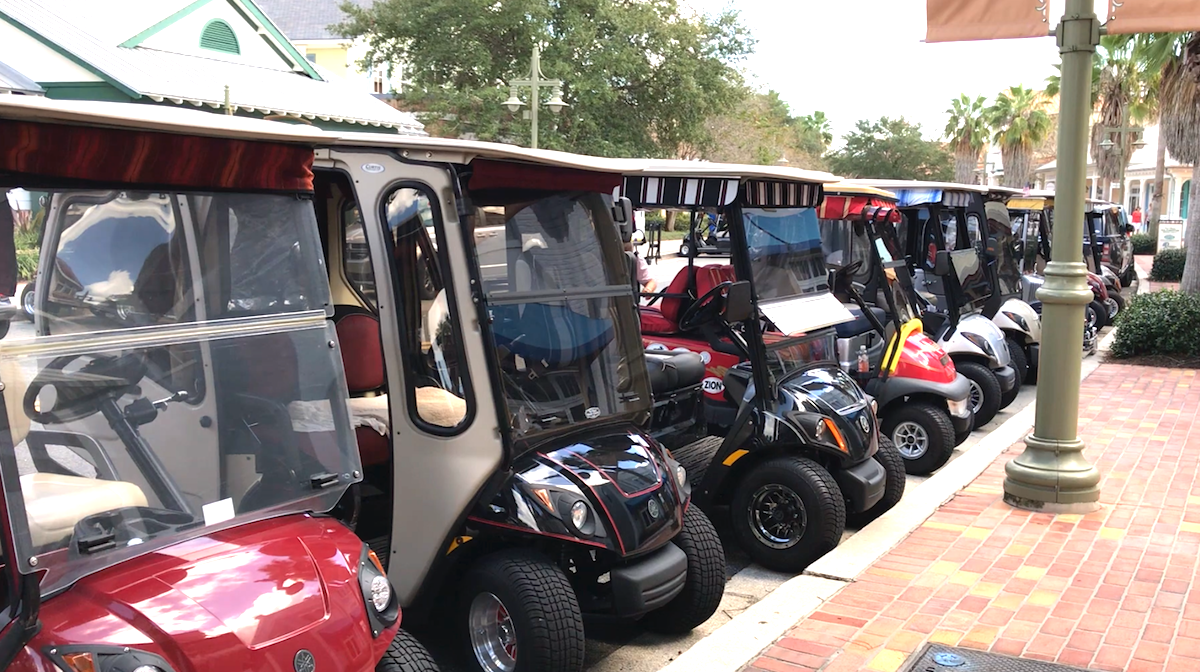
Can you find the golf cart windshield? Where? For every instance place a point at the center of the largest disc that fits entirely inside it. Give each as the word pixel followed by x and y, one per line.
pixel 181 377
pixel 786 356
pixel 562 311
pixel 785 252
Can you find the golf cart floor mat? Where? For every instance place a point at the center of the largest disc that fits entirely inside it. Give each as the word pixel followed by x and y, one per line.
pixel 941 658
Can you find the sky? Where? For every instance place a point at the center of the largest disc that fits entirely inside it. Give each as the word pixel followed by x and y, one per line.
pixel 863 59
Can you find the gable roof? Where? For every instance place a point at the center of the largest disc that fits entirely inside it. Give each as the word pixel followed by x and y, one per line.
pixel 149 75
pixel 308 19
pixel 13 81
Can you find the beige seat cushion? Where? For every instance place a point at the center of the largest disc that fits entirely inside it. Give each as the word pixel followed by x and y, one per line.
pixel 55 503
pixel 14 398
pixel 436 406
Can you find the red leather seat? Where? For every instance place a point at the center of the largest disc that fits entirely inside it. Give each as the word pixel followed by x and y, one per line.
pixel 362 357
pixel 664 318
pixel 708 277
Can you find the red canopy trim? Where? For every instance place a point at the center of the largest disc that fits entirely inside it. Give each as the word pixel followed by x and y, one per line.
pixel 125 157
pixel 850 207
pixel 487 175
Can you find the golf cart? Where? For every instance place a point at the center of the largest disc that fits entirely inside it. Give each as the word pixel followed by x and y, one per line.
pixel 1021 324
pixel 508 484
pixel 941 236
pixel 177 456
pixel 924 404
pixel 1031 216
pixel 798 450
pixel 1110 238
pixel 710 236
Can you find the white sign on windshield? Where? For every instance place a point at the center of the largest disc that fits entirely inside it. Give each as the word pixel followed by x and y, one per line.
pixel 803 314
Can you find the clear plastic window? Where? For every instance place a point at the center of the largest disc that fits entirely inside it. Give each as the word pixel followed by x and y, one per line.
pixel 785 252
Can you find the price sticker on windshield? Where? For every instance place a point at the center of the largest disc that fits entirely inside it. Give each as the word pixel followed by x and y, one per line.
pixel 218 512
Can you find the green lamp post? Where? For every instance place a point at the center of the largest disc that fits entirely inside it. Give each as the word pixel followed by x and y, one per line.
pixel 1051 474
pixel 535 82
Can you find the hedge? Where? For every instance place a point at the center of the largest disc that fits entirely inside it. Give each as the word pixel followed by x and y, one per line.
pixel 1144 243
pixel 1159 323
pixel 27 263
pixel 1168 266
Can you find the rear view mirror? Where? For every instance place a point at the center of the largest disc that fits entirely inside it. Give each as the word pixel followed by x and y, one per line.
pixel 739 305
pixel 993 247
pixel 941 263
pixel 622 210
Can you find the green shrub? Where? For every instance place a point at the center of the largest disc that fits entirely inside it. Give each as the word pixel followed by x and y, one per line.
pixel 1168 266
pixel 27 263
pixel 1159 323
pixel 1144 243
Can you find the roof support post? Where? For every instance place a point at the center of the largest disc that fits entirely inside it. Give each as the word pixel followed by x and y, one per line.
pixel 1051 474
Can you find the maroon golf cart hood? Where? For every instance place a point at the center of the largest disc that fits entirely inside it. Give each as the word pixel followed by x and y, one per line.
pixel 249 598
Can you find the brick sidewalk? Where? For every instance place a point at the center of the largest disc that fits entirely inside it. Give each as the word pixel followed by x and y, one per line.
pixel 1112 590
pixel 1146 262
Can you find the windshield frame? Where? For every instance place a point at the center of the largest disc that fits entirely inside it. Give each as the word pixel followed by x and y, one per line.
pixel 61 563
pixel 788 259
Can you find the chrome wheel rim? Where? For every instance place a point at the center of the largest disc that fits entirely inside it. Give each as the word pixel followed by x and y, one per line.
pixel 1113 308
pixel 493 636
pixel 911 440
pixel 1090 317
pixel 777 516
pixel 976 397
pixel 27 304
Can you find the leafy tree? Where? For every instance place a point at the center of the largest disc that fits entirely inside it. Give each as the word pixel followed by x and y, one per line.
pixel 1176 57
pixel 818 125
pixel 967 132
pixel 641 77
pixel 761 130
pixel 891 149
pixel 1020 125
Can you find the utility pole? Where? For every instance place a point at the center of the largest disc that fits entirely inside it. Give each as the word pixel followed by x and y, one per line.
pixel 535 82
pixel 1051 474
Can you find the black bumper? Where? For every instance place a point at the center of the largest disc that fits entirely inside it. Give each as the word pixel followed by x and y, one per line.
pixel 650 583
pixel 963 425
pixel 1007 377
pixel 1035 353
pixel 862 485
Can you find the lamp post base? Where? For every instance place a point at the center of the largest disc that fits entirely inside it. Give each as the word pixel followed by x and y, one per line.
pixel 1052 476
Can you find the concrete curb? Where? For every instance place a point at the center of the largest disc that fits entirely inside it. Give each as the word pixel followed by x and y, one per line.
pixel 741 639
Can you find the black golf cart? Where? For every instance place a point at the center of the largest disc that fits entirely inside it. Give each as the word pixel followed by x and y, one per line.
pixel 801 452
pixel 708 236
pixel 498 383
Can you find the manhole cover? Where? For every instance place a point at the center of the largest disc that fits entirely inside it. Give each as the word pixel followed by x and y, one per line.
pixel 940 658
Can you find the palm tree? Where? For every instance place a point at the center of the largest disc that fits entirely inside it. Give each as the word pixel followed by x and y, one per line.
pixel 818 125
pixel 967 132
pixel 1019 125
pixel 1177 58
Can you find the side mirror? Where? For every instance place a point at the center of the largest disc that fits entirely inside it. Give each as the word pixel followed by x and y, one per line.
pixel 993 247
pixel 1129 229
pixel 739 304
pixel 941 263
pixel 622 210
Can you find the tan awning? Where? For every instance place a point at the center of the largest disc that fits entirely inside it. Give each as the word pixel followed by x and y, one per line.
pixel 1153 16
pixel 958 20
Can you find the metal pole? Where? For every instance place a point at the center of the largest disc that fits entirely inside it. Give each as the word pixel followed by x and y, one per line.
pixel 1121 157
pixel 535 98
pixel 1052 475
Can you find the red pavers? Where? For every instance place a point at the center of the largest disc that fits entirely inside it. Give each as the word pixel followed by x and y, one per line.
pixel 1111 590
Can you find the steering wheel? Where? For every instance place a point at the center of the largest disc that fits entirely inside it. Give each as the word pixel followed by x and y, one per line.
pixel 706 308
pixel 850 269
pixel 78 394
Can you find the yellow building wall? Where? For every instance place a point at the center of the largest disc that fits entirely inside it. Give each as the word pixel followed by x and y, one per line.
pixel 332 59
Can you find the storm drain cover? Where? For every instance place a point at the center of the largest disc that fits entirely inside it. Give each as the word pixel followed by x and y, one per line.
pixel 940 658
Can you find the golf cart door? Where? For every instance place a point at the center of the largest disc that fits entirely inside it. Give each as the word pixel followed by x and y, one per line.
pixel 441 421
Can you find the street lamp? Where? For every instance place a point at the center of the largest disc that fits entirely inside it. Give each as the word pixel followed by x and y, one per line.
pixel 535 82
pixel 1107 145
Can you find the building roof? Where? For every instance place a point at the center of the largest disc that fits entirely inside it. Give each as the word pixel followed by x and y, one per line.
pixel 14 82
pixel 150 75
pixel 308 19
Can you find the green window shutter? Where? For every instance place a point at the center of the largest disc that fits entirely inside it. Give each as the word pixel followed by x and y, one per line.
pixel 218 36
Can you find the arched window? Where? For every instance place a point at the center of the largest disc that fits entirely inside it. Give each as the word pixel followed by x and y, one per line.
pixel 218 36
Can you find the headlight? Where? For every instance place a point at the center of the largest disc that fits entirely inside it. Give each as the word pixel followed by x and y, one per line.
pixel 579 514
pixel 980 342
pixel 88 658
pixel 1020 321
pixel 680 475
pixel 959 409
pixel 381 593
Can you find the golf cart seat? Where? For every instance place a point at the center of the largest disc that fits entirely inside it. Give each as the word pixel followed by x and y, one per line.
pixel 362 358
pixel 55 503
pixel 664 319
pixel 670 371
pixel 860 324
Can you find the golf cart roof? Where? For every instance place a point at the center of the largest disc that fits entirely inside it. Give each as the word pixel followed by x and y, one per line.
pixel 153 118
pixel 845 188
pixel 896 185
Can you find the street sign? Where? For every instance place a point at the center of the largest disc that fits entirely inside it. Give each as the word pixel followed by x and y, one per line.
pixel 1170 234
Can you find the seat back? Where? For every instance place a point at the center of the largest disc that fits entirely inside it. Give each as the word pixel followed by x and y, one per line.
pixel 672 306
pixel 362 348
pixel 708 277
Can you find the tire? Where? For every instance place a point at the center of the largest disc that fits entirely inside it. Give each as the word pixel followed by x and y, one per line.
pixel 406 654
pixel 894 465
pixel 696 456
pixel 1090 317
pixel 27 299
pixel 1116 297
pixel 540 607
pixel 1101 314
pixel 926 434
pixel 793 479
pixel 4 326
pixel 1016 353
pixel 985 384
pixel 686 249
pixel 705 583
